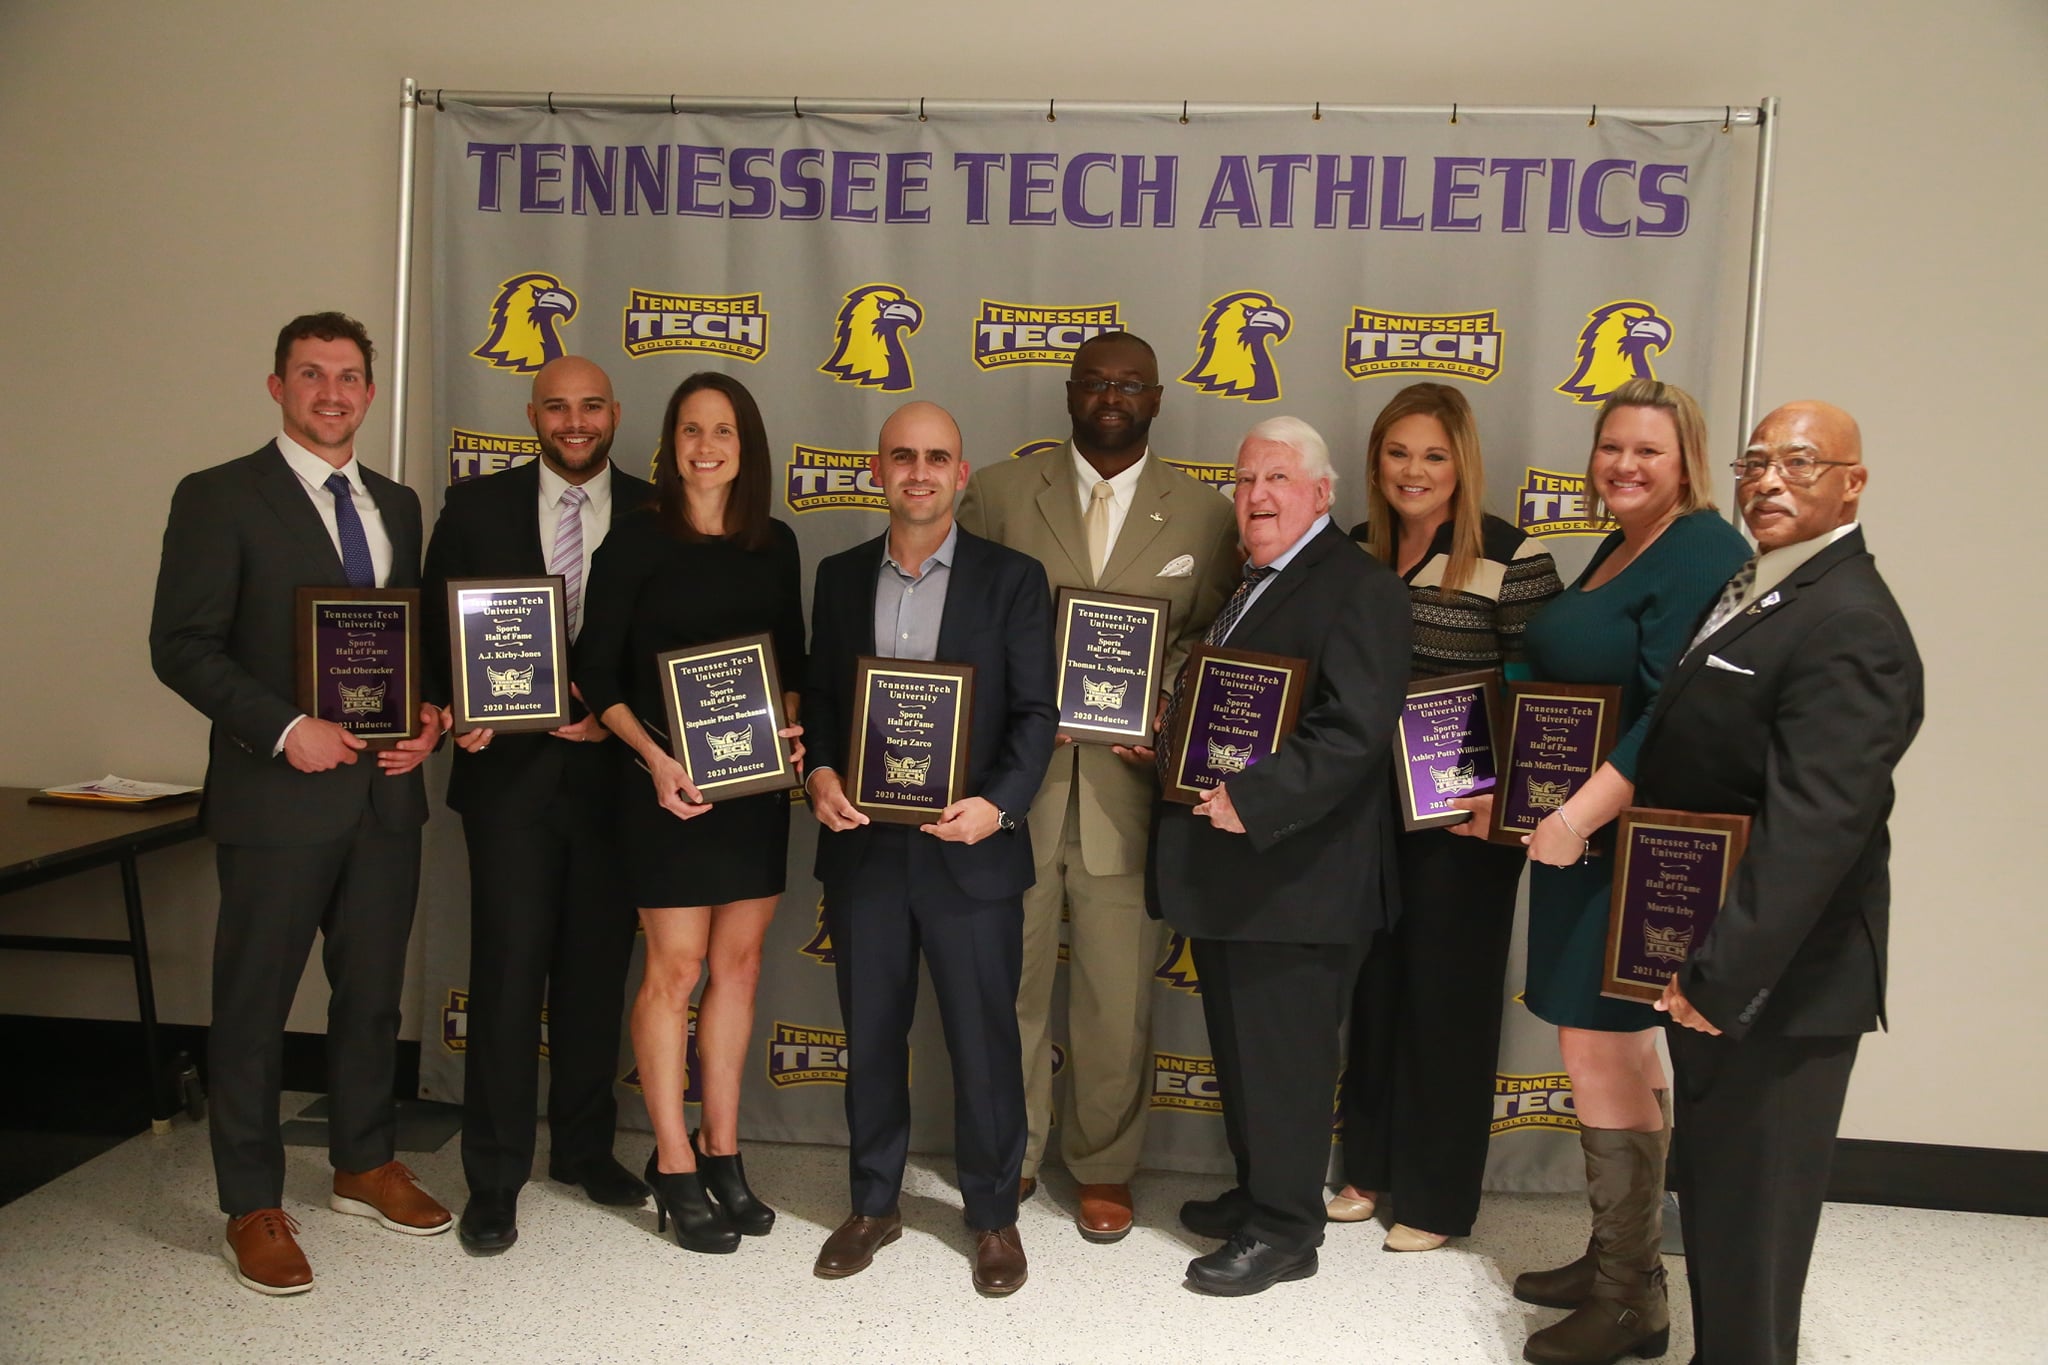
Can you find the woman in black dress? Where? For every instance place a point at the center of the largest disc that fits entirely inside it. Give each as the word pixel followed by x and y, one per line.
pixel 705 563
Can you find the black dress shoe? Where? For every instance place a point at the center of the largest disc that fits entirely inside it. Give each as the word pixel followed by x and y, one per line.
pixel 1220 1217
pixel 726 1178
pixel 1245 1265
pixel 604 1180
pixel 489 1224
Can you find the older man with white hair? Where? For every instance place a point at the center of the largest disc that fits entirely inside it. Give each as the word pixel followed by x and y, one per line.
pixel 1281 876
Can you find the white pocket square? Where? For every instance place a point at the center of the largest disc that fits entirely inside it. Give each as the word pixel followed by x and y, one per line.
pixel 1716 661
pixel 1181 567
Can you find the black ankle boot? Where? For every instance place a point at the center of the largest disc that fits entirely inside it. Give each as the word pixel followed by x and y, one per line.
pixel 700 1226
pixel 726 1178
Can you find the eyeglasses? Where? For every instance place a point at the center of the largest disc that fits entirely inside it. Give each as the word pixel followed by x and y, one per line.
pixel 1129 388
pixel 1799 470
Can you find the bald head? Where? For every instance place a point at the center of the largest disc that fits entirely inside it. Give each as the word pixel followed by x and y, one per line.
pixel 574 415
pixel 1781 510
pixel 920 467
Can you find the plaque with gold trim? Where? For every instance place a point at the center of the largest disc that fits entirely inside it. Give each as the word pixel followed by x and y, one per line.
pixel 911 723
pixel 1446 747
pixel 508 653
pixel 725 715
pixel 1112 656
pixel 1558 735
pixel 1672 872
pixel 357 660
pixel 1236 705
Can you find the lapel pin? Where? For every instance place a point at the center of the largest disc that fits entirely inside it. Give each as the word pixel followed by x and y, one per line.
pixel 1157 517
pixel 1765 605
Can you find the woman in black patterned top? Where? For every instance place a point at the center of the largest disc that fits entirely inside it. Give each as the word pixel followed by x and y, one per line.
pixel 1425 1017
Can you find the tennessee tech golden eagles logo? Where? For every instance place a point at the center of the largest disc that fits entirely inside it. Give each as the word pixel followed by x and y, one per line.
pixel 1466 345
pixel 818 478
pixel 1552 502
pixel 1022 334
pixel 819 949
pixel 1185 1083
pixel 526 323
pixel 473 454
pixel 1543 1101
pixel 798 1055
pixel 1615 348
pixel 1237 340
pixel 724 324
pixel 868 346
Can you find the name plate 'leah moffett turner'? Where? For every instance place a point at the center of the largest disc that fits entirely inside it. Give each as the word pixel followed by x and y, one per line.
pixel 508 650
pixel 725 715
pixel 911 723
pixel 1558 736
pixel 357 652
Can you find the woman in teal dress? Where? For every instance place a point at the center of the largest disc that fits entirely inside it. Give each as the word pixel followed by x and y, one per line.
pixel 1625 621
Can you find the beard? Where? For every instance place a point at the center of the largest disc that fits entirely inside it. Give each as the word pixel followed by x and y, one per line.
pixel 593 456
pixel 1112 440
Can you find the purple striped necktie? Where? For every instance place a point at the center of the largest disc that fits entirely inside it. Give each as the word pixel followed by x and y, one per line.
pixel 566 558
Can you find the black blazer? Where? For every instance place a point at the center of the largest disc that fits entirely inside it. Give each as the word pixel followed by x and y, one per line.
pixel 241 539
pixel 1803 739
pixel 1316 861
pixel 490 528
pixel 998 618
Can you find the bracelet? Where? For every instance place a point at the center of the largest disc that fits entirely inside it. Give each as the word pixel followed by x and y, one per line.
pixel 1568 826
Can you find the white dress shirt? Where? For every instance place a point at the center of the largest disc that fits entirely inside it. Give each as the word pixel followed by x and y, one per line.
pixel 1775 566
pixel 1279 564
pixel 1122 489
pixel 596 513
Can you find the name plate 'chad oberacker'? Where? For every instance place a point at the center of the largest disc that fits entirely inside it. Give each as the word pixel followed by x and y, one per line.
pixel 358 657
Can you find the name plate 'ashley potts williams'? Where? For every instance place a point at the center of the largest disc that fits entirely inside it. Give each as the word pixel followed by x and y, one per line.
pixel 357 652
pixel 911 721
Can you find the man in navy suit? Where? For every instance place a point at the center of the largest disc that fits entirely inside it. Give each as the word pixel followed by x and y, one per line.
pixel 1794 703
pixel 309 838
pixel 952 889
pixel 549 914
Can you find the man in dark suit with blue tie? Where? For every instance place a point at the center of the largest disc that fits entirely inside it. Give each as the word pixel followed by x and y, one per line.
pixel 1281 876
pixel 952 889
pixel 310 839
pixel 1796 700
pixel 549 915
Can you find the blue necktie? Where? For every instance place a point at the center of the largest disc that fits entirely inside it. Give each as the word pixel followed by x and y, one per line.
pixel 356 563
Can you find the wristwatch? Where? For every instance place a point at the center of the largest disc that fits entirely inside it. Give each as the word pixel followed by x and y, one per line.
pixel 1005 820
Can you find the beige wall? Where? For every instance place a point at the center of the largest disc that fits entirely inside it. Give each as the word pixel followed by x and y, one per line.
pixel 178 179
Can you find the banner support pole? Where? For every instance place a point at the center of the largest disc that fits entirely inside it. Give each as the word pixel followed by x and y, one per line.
pixel 401 315
pixel 1759 244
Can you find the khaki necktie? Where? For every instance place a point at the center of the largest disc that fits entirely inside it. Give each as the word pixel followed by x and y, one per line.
pixel 1098 529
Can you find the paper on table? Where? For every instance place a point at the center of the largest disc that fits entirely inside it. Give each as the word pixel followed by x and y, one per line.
pixel 112 788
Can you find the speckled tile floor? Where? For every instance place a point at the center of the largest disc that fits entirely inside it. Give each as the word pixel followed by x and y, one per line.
pixel 119 1261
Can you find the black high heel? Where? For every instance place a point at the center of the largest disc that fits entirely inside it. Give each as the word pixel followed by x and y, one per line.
pixel 726 1178
pixel 700 1225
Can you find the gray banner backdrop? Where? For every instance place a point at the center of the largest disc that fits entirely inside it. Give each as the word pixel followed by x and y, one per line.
pixel 1278 263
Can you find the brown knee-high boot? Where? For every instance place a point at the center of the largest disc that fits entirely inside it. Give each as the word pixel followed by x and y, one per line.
pixel 1625 1310
pixel 1571 1284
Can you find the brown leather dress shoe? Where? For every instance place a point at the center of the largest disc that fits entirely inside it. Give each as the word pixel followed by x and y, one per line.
pixel 853 1244
pixel 1105 1212
pixel 265 1255
pixel 1027 1185
pixel 999 1266
pixel 391 1194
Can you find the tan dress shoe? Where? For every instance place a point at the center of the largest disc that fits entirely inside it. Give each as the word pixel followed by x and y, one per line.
pixel 853 1244
pixel 1401 1237
pixel 265 1255
pixel 999 1266
pixel 1104 1214
pixel 1343 1208
pixel 391 1194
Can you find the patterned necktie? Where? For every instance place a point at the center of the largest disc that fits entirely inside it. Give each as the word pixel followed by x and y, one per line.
pixel 356 564
pixel 1219 631
pixel 1098 529
pixel 1727 604
pixel 566 558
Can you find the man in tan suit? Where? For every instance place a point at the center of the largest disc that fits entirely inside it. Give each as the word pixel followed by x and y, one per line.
pixel 1100 512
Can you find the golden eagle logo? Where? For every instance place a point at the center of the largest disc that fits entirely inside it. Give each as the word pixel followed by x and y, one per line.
pixel 1615 348
pixel 1237 340
pixel 868 347
pixel 819 949
pixel 526 323
pixel 1178 970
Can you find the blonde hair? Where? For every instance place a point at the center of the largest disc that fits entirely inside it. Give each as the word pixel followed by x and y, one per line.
pixel 1691 425
pixel 1468 498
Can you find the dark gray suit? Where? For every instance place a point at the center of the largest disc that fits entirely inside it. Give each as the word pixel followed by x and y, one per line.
pixel 1819 698
pixel 336 851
